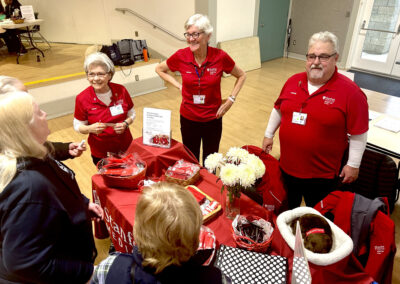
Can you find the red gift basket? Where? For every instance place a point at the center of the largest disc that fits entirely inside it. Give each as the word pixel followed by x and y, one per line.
pixel 246 242
pixel 122 171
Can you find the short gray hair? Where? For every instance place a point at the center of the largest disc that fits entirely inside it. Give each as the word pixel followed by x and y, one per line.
pixel 9 84
pixel 200 21
pixel 325 37
pixel 99 58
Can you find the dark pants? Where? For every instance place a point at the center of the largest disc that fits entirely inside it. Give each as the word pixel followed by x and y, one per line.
pixel 194 132
pixel 12 41
pixel 313 189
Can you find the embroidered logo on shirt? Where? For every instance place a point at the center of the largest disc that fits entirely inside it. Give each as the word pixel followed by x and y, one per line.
pixel 212 71
pixel 328 101
pixel 379 249
pixel 188 72
pixel 293 93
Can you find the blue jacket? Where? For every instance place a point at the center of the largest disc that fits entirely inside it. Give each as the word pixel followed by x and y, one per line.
pixel 190 272
pixel 46 234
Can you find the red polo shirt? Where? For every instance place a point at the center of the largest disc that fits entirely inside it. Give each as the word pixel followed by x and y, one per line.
pixel 89 107
pixel 315 150
pixel 204 80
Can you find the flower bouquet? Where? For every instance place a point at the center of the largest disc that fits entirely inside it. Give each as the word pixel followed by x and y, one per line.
pixel 238 171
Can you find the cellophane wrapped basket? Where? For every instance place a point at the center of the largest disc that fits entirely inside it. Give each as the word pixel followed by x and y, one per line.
pixel 122 171
pixel 183 173
pixel 252 233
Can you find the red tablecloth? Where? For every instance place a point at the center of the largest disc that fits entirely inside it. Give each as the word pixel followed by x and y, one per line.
pixel 119 205
pixel 159 159
pixel 119 208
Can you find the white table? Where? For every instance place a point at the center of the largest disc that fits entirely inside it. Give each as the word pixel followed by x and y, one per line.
pixel 9 25
pixel 382 140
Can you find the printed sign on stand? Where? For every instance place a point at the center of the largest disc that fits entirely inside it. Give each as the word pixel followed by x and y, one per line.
pixel 157 127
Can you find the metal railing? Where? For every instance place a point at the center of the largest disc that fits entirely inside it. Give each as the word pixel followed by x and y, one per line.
pixel 155 25
pixel 378 30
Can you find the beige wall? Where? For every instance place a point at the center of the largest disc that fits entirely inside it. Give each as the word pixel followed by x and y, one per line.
pixel 97 22
pixel 310 16
pixel 235 19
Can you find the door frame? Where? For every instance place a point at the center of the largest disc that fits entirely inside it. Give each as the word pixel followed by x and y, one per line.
pixel 256 23
pixel 355 41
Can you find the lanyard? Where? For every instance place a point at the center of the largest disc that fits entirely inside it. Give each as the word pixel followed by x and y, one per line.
pixel 199 75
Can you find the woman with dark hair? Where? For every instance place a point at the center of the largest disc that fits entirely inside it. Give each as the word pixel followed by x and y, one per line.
pixel 10 37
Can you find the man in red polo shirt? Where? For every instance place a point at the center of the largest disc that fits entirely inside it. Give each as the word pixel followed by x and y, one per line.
pixel 321 114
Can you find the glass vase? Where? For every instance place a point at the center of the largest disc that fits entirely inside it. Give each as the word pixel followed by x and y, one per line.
pixel 232 205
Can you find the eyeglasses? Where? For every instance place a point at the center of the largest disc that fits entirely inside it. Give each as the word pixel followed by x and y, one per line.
pixel 100 75
pixel 193 35
pixel 322 57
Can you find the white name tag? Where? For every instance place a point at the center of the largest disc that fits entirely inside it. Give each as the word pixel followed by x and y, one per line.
pixel 299 118
pixel 199 99
pixel 116 110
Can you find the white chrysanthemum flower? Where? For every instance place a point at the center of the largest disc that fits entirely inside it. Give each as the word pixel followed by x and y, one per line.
pixel 256 164
pixel 229 175
pixel 236 154
pixel 213 161
pixel 246 175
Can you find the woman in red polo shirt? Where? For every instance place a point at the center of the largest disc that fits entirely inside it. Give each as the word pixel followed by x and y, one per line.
pixel 201 67
pixel 104 110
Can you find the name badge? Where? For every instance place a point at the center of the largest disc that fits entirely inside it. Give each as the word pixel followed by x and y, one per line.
pixel 116 110
pixel 299 118
pixel 199 99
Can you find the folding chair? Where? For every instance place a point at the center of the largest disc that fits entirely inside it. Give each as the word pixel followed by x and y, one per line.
pixel 378 177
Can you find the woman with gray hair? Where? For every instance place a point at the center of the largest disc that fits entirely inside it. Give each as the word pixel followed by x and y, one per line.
pixel 201 67
pixel 104 110
pixel 46 232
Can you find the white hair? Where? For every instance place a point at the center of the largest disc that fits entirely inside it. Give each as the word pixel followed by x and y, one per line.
pixel 325 37
pixel 200 21
pixel 99 58
pixel 9 84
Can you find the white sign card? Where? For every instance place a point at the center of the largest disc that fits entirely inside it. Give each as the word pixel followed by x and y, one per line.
pixel 27 13
pixel 157 127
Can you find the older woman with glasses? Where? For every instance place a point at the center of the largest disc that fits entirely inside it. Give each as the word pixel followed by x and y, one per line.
pixel 201 67
pixel 104 110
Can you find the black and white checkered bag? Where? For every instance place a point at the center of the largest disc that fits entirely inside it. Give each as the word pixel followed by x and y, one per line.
pixel 251 267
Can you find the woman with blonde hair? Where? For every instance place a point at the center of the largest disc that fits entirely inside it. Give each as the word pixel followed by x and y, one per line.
pixel 46 233
pixel 166 232
pixel 59 150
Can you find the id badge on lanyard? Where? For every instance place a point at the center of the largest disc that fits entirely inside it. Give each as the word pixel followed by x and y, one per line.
pixel 199 99
pixel 116 110
pixel 299 118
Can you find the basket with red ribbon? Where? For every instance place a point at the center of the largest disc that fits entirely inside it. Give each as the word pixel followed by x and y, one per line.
pixel 252 233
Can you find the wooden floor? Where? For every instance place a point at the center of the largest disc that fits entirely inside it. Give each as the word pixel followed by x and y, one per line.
pixel 243 124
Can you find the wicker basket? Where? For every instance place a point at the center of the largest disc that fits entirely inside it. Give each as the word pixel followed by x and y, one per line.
pixel 18 21
pixel 249 244
pixel 124 182
pixel 184 182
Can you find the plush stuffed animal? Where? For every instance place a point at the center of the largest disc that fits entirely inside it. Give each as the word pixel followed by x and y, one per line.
pixel 316 232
